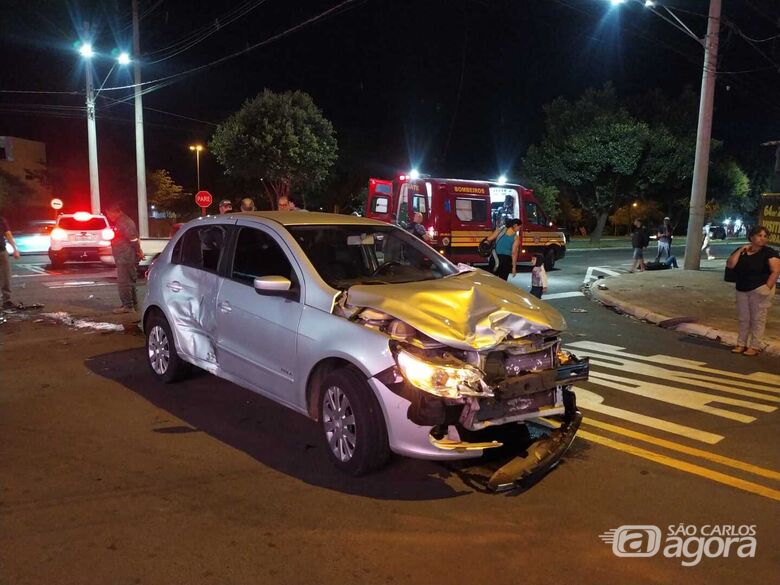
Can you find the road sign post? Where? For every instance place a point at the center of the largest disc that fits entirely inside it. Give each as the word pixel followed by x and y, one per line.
pixel 203 200
pixel 56 205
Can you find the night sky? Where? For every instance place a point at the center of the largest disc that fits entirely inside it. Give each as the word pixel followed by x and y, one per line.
pixel 453 86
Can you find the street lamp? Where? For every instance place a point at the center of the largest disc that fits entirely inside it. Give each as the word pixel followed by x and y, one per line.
pixel 197 148
pixel 87 52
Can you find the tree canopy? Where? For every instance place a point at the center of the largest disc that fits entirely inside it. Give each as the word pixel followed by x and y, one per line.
pixel 166 195
pixel 604 152
pixel 279 140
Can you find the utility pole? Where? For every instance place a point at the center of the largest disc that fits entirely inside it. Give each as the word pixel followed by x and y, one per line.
pixel 94 179
pixel 140 157
pixel 701 165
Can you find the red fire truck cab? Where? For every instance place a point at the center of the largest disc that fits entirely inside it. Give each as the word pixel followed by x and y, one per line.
pixel 458 214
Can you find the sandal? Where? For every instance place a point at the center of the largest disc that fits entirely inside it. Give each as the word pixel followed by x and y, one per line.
pixel 738 349
pixel 751 352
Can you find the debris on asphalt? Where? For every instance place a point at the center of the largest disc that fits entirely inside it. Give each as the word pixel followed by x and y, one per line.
pixel 66 319
pixel 575 310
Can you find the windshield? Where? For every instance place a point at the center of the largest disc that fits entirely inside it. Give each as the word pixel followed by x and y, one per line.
pixel 93 223
pixel 345 255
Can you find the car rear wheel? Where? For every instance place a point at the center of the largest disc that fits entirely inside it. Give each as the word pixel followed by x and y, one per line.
pixel 163 359
pixel 352 422
pixel 549 259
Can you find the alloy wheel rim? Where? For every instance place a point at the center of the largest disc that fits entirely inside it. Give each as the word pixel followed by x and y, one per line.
pixel 159 350
pixel 339 421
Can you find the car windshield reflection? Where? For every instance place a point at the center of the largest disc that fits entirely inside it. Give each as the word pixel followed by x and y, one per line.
pixel 346 255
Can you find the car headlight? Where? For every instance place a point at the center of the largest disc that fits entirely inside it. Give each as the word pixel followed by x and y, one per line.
pixel 445 380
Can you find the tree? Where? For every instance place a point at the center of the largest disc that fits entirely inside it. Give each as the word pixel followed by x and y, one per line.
pixel 13 192
pixel 593 148
pixel 281 138
pixel 729 187
pixel 604 152
pixel 166 195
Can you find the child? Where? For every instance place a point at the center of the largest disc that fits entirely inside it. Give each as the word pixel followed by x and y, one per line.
pixel 538 276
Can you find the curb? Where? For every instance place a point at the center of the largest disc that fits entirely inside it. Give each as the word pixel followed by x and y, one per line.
pixel 695 329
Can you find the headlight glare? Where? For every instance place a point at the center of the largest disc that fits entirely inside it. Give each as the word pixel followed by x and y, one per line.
pixel 447 381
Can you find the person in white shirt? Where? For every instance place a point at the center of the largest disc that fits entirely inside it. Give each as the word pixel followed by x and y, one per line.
pixel 538 276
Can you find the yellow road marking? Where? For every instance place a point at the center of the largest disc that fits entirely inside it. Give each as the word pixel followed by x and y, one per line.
pixel 729 480
pixel 735 463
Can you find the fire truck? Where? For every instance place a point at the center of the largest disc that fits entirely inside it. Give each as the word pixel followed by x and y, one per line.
pixel 458 214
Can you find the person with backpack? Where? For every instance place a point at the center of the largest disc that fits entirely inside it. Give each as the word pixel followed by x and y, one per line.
pixel 639 241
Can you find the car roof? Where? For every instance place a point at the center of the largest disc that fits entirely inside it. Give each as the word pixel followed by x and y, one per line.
pixel 295 218
pixel 74 215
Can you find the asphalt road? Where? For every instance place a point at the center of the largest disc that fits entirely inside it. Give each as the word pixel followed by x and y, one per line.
pixel 109 477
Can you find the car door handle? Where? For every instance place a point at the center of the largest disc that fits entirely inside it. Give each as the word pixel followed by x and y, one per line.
pixel 174 286
pixel 225 307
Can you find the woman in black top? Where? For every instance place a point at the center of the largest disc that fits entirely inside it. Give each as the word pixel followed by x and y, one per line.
pixel 757 267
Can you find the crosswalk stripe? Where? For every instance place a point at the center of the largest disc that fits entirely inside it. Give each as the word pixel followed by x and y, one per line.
pixel 563 295
pixel 705 382
pixel 588 400
pixel 735 463
pixel 716 476
pixel 771 382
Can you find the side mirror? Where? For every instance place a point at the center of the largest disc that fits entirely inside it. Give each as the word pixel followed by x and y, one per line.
pixel 274 286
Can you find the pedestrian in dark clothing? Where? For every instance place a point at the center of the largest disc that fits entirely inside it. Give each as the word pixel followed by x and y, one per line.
pixel 639 241
pixel 126 249
pixel 664 239
pixel 5 265
pixel 757 268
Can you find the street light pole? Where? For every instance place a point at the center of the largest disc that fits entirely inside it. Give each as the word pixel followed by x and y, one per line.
pixel 140 157
pixel 693 240
pixel 94 180
pixel 197 148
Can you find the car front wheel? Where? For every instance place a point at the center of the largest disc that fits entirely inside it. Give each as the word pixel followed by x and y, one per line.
pixel 163 359
pixel 352 422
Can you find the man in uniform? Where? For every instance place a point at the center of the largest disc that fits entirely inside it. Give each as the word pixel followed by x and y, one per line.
pixel 126 249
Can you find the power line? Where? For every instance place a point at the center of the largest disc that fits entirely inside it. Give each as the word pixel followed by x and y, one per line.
pixel 167 113
pixel 198 37
pixel 242 51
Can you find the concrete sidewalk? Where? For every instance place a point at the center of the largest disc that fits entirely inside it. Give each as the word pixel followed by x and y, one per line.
pixel 701 299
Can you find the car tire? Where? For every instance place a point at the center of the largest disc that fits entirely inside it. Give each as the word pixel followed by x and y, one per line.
pixel 352 423
pixel 549 259
pixel 161 353
pixel 56 262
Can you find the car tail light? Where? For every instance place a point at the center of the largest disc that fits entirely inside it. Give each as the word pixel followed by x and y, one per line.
pixel 107 234
pixel 58 234
pixel 82 216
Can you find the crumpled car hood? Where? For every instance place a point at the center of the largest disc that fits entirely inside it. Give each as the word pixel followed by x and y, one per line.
pixel 471 310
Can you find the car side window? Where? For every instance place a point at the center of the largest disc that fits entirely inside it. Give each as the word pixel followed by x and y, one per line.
pixel 201 247
pixel 532 213
pixel 258 254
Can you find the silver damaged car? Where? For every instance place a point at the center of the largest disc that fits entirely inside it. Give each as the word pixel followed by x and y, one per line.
pixel 366 329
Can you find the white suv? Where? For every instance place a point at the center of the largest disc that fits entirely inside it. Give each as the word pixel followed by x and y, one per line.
pixel 80 236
